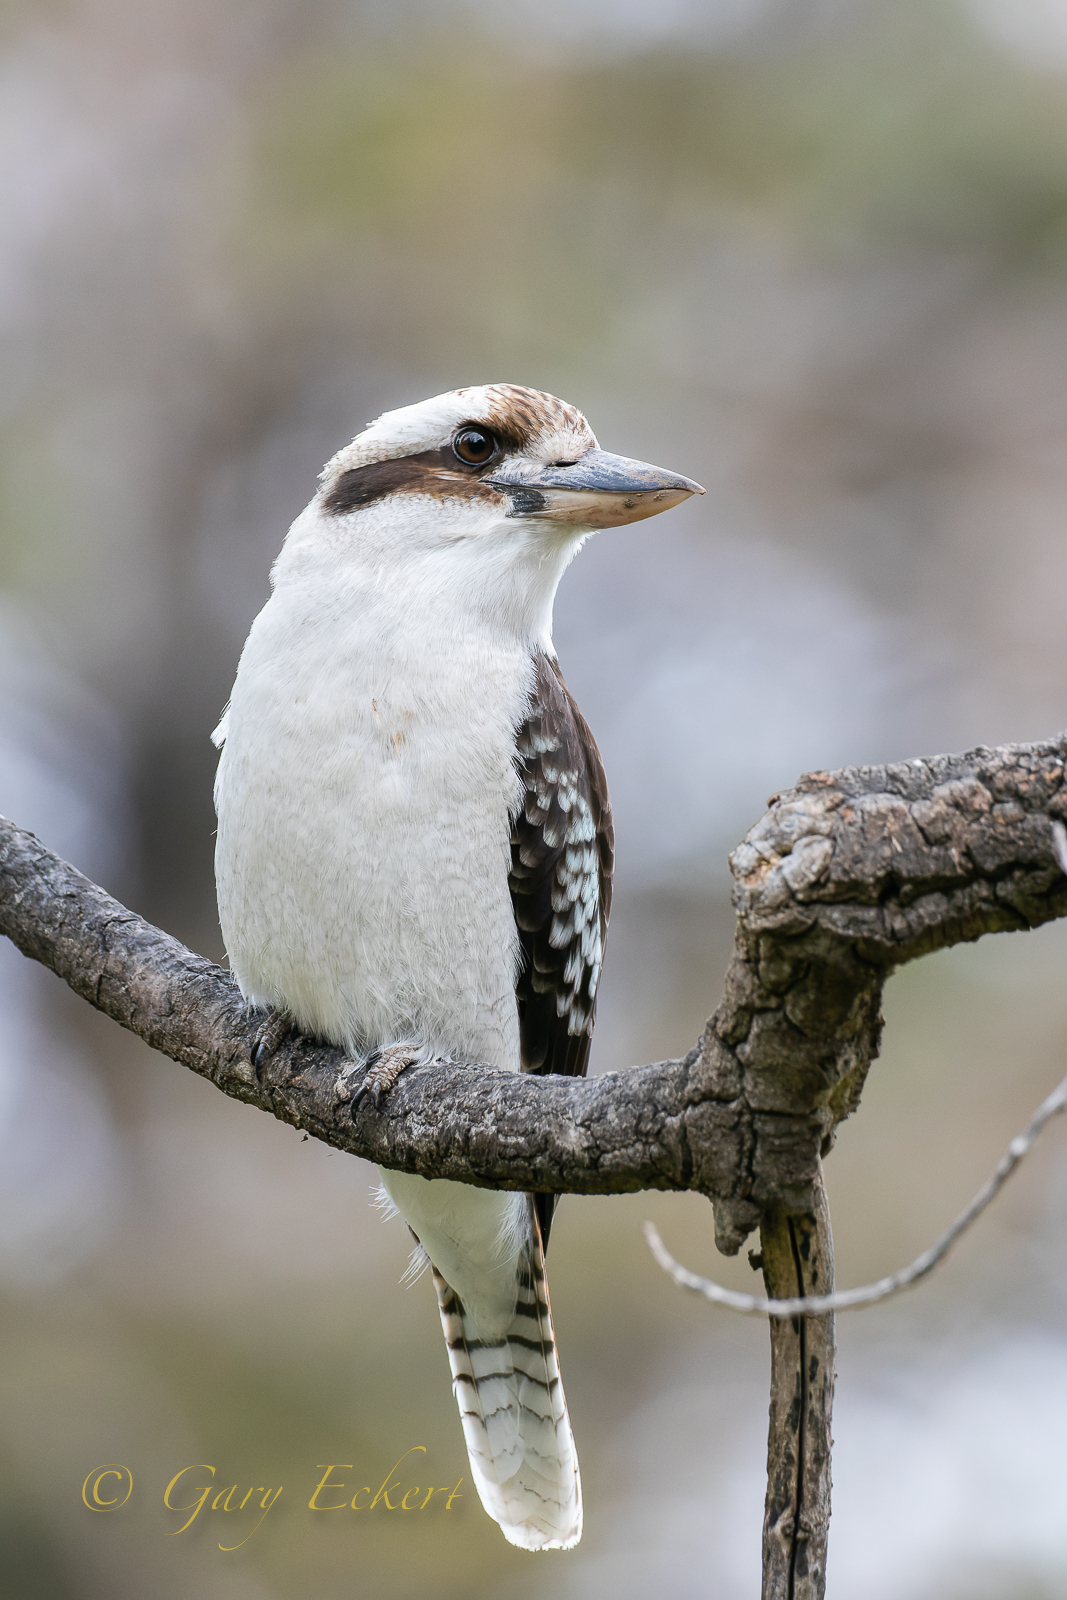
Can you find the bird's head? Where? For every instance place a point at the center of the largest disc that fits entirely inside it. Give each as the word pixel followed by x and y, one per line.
pixel 494 487
pixel 516 453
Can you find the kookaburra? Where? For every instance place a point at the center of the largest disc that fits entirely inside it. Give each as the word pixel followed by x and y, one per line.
pixel 415 842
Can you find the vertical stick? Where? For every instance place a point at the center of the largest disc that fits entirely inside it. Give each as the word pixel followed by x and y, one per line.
pixel 798 1259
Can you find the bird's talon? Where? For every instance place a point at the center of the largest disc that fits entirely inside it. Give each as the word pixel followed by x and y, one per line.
pixel 275 1030
pixel 382 1072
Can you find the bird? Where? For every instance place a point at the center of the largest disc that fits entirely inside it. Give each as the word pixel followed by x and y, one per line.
pixel 415 845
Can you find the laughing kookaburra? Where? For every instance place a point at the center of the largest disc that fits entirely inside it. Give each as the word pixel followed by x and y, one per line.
pixel 415 841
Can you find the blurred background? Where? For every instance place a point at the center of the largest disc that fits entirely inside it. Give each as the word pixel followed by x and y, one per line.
pixel 810 252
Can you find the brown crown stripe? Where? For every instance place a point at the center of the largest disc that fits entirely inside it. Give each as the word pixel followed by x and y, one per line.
pixel 531 411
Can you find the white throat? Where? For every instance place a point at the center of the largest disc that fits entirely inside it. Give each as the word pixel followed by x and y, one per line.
pixel 439 564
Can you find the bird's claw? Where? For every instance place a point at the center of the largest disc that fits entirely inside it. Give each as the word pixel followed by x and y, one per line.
pixel 382 1072
pixel 275 1030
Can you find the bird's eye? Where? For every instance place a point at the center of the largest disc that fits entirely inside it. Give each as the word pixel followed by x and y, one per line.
pixel 474 445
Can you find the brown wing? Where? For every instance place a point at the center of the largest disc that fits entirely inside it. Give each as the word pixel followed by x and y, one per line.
pixel 562 854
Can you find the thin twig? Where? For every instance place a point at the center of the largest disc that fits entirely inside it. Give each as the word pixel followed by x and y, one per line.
pixel 751 1305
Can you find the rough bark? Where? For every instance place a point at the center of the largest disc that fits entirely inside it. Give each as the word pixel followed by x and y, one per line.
pixel 798 1259
pixel 847 876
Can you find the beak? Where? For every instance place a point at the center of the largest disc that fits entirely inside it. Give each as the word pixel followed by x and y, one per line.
pixel 598 490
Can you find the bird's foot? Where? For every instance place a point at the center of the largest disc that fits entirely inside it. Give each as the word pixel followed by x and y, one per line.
pixel 275 1030
pixel 383 1070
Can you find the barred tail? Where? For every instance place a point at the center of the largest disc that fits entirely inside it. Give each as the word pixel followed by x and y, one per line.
pixel 514 1413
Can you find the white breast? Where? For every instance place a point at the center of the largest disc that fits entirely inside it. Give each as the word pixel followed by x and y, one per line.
pixel 364 798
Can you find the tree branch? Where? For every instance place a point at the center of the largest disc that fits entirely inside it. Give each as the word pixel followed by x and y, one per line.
pixel 847 876
pixel 798 1259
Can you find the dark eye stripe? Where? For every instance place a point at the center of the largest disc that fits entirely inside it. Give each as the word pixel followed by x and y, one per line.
pixel 436 472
